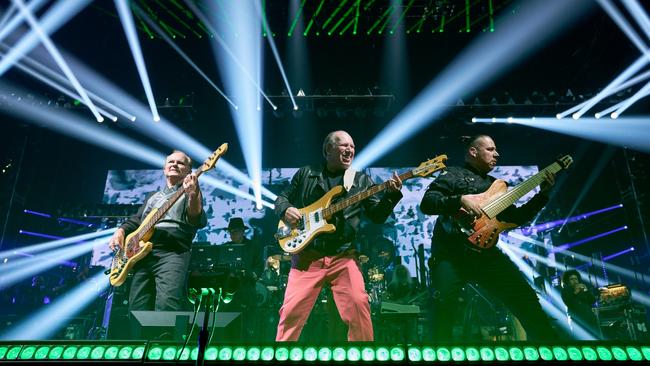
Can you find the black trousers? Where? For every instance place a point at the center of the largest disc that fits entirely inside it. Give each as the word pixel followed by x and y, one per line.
pixel 494 272
pixel 159 281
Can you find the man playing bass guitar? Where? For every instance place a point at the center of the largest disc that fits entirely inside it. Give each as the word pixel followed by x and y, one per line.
pixel 159 278
pixel 331 258
pixel 455 261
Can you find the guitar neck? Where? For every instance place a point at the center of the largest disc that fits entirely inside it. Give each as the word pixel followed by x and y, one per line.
pixel 495 207
pixel 160 213
pixel 358 197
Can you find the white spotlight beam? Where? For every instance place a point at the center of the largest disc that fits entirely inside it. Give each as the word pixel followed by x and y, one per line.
pixel 74 126
pixel 641 93
pixel 625 85
pixel 132 37
pixel 223 44
pixel 632 132
pixel 37 248
pixel 639 15
pixel 6 15
pixel 245 42
pixel 51 318
pixel 164 131
pixel 26 268
pixel 54 52
pixel 7 27
pixel 58 87
pixel 627 73
pixel 482 61
pixel 57 16
pixel 185 57
pixel 276 56
pixel 54 75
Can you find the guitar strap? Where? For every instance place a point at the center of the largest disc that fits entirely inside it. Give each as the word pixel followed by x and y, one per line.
pixel 348 179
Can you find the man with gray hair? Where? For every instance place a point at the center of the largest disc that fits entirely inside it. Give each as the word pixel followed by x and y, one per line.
pixel 159 278
pixel 331 259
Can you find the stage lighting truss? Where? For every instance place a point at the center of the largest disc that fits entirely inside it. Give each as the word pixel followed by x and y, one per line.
pixel 161 352
pixel 339 106
pixel 332 18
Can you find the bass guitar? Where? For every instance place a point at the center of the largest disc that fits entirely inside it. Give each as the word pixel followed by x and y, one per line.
pixel 136 244
pixel 314 217
pixel 483 231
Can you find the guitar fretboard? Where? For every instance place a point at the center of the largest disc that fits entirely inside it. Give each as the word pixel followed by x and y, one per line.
pixel 160 213
pixel 358 197
pixel 495 207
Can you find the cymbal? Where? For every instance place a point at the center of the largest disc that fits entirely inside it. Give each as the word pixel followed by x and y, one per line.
pixel 363 258
pixel 280 257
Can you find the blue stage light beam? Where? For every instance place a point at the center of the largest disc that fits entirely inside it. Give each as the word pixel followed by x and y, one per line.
pixel 563 247
pixel 41 247
pixel 641 93
pixel 56 55
pixel 57 16
pixel 54 316
pixel 631 132
pixel 58 87
pixel 245 43
pixel 19 270
pixel 225 46
pixel 486 58
pixel 185 57
pixel 618 254
pixel 39 235
pixel 37 213
pixel 545 226
pixel 132 37
pixel 610 267
pixel 276 56
pixel 7 26
pixel 164 131
pixel 601 163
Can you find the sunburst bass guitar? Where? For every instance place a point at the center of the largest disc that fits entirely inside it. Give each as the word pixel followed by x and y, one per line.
pixel 136 244
pixel 314 217
pixel 483 231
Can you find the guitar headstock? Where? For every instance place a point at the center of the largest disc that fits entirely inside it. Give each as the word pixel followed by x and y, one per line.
pixel 565 161
pixel 430 166
pixel 211 161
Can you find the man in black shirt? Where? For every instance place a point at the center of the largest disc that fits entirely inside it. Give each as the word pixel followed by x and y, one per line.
pixel 453 262
pixel 159 278
pixel 331 258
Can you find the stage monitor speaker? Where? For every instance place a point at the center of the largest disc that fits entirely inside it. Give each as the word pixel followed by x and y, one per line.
pixel 171 325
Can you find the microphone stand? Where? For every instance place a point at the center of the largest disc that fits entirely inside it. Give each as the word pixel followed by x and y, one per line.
pixel 204 333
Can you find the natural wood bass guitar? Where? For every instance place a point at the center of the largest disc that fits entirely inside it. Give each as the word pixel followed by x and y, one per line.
pixel 136 244
pixel 483 232
pixel 314 217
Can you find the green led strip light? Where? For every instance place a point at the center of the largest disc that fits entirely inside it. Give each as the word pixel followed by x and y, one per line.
pixel 582 352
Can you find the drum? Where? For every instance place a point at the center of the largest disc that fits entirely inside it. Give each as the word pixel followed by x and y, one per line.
pixel 262 294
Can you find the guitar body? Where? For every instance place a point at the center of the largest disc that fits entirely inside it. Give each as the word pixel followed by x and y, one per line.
pixel 313 221
pixel 136 247
pixel 312 224
pixel 483 232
